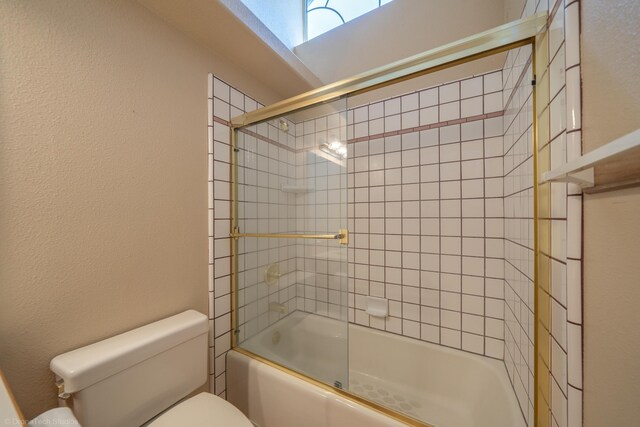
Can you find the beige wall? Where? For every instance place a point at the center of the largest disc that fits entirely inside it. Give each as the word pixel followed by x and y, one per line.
pixel 103 178
pixel 611 313
pixel 231 30
pixel 610 68
pixel 395 31
pixel 513 9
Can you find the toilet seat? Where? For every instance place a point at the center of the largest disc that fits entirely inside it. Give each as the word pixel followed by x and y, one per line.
pixel 204 409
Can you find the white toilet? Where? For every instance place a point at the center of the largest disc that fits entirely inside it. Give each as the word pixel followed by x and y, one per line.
pixel 137 378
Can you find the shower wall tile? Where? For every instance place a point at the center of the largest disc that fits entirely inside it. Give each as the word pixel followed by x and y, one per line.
pixel 426 214
pixel 223 90
pixel 266 162
pixel 559 106
pixel 321 265
pixel 518 226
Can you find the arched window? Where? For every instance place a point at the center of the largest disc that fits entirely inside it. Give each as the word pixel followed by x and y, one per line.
pixel 325 15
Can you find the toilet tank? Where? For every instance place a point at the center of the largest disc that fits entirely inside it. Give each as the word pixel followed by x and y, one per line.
pixel 130 378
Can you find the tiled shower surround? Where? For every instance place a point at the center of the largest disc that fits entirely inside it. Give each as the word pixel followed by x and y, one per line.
pixel 268 161
pixel 561 217
pixel 519 226
pixel 560 299
pixel 426 211
pixel 439 185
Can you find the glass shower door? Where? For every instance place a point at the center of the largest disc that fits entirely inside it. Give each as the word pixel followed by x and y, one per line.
pixel 291 236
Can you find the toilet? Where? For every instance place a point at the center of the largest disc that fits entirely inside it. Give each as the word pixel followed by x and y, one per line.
pixel 143 376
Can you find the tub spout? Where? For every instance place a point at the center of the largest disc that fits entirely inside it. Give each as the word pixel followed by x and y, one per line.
pixel 277 307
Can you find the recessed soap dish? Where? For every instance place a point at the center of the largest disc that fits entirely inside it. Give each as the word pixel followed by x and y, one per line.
pixel 377 307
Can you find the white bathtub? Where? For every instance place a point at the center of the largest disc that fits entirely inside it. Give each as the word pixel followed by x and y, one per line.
pixel 440 386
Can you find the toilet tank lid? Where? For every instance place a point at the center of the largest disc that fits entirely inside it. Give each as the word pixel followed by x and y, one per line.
pixel 86 366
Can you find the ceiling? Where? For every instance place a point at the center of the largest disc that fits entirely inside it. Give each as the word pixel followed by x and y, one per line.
pixel 231 31
pixel 214 25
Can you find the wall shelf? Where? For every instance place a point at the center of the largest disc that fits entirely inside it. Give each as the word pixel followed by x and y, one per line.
pixel 614 165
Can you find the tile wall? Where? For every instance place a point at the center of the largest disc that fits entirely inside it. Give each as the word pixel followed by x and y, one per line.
pixel 425 176
pixel 426 213
pixel 266 161
pixel 560 211
pixel 273 164
pixel 560 207
pixel 519 226
pixel 220 110
pixel 321 209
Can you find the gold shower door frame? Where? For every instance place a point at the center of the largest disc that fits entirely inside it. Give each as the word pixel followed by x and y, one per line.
pixel 527 31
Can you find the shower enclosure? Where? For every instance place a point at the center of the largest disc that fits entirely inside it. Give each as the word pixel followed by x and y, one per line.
pixel 368 237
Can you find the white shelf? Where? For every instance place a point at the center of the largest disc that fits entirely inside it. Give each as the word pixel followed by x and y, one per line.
pixel 616 163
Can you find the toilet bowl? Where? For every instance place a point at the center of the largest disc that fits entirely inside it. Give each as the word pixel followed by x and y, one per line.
pixel 143 377
pixel 204 409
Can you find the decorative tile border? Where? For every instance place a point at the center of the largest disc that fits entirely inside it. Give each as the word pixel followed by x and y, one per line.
pixel 427 127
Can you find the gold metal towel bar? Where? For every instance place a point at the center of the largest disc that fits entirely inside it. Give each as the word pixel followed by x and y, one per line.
pixel 342 235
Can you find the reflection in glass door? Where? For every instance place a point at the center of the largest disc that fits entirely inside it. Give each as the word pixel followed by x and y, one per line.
pixel 291 235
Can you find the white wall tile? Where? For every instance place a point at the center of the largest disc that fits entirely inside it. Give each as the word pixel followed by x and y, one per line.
pixel 392 106
pixel 449 92
pixel 574 353
pixel 471 87
pixel 493 82
pixel 428 97
pixel 572 34
pixel 410 102
pixel 493 102
pixel 450 111
pixel 429 115
pixel 574 412
pixel 472 106
pixel 574 112
pixel 574 291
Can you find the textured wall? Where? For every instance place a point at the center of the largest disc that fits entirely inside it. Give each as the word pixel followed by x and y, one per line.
pixel 610 68
pixel 611 62
pixel 102 179
pixel 611 295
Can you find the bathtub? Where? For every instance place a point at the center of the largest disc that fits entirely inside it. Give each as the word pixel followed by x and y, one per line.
pixel 437 385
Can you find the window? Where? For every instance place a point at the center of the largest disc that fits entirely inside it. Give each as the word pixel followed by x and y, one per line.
pixel 325 15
